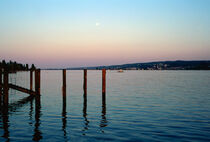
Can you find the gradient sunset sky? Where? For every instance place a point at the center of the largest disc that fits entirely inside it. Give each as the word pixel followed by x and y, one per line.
pixel 73 33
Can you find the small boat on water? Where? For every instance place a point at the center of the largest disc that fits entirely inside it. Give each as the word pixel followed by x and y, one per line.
pixel 120 70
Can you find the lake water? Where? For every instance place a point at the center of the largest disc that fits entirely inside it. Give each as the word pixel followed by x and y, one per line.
pixel 140 106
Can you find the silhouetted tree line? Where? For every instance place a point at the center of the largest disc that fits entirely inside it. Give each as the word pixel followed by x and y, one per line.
pixel 13 66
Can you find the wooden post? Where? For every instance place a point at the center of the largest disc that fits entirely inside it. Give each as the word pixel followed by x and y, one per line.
pixel 31 80
pixel 85 100
pixel 37 96
pixel 0 85
pixel 64 83
pixel 103 85
pixel 37 81
pixel 85 82
pixel 64 103
pixel 6 88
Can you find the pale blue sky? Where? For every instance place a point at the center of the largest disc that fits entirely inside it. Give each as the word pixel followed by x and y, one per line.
pixel 67 33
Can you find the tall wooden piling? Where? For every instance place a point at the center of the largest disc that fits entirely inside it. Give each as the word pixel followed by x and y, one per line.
pixel 37 81
pixel 64 83
pixel 103 85
pixel 64 103
pixel 85 100
pixel 6 87
pixel 64 89
pixel 37 90
pixel 85 82
pixel 85 93
pixel 31 80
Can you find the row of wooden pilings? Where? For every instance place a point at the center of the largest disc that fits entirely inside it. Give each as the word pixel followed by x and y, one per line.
pixel 85 86
pixel 5 85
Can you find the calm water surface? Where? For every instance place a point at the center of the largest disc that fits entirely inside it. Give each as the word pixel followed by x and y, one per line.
pixel 140 106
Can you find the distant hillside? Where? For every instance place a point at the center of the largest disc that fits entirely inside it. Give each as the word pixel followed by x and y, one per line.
pixel 160 65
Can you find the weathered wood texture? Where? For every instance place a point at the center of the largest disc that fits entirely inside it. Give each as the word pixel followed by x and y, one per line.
pixel 64 83
pixel 104 86
pixel 104 81
pixel 37 81
pixel 85 82
pixel 31 80
pixel 21 89
pixel 6 88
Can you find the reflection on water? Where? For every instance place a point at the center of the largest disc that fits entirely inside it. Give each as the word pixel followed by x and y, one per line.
pixel 104 121
pixel 64 118
pixel 37 136
pixel 161 106
pixel 5 121
pixel 13 107
pixel 86 122
pixel 31 112
pixel 37 132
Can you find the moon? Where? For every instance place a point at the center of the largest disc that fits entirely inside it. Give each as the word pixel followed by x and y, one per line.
pixel 97 24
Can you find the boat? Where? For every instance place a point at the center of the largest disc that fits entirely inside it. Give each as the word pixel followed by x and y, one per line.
pixel 120 70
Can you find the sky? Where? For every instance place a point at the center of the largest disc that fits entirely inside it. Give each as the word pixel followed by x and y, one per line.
pixel 74 33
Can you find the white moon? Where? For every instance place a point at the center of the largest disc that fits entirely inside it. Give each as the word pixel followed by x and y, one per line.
pixel 97 24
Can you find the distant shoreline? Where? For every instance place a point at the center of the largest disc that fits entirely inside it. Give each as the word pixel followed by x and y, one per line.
pixel 159 65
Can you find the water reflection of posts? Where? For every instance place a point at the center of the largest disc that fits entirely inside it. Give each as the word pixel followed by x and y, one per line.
pixel 103 115
pixel 64 118
pixel 5 120
pixel 85 113
pixel 31 111
pixel 103 85
pixel 37 133
pixel 6 88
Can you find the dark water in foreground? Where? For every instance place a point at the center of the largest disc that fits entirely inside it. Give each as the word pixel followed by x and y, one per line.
pixel 140 106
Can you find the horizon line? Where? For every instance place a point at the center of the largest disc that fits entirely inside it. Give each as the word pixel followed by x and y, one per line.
pixel 122 64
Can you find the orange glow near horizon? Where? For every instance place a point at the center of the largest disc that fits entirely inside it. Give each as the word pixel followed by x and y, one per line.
pixel 77 33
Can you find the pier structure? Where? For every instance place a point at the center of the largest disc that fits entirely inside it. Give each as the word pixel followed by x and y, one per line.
pixel 35 94
pixel 35 86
